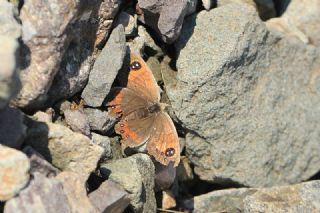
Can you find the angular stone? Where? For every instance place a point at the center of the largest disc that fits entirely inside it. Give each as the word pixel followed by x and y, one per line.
pixel 304 197
pixel 12 130
pixel 9 33
pixel 136 175
pixel 109 197
pixel 14 172
pixel 43 116
pixel 243 95
pixel 184 170
pixel 99 120
pixel 168 200
pixel 66 150
pixel 45 44
pixel 42 195
pixel 77 120
pixel 129 23
pixel 165 17
pixel 105 68
pixel 74 188
pixel 38 164
pixel 228 200
pixel 104 142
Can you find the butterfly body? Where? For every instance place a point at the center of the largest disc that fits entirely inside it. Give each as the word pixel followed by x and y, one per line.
pixel 143 121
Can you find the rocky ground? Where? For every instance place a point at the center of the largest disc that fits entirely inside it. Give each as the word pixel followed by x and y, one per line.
pixel 241 77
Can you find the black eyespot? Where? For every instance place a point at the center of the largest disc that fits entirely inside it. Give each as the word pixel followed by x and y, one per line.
pixel 170 152
pixel 135 65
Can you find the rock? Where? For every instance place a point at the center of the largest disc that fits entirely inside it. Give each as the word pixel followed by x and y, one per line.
pixel 250 110
pixel 208 4
pixel 104 142
pixel 14 168
pixel 168 200
pixel 109 197
pixel 66 150
pixel 9 33
pixel 228 200
pixel 105 68
pixel 74 188
pixel 164 176
pixel 136 175
pixel 99 120
pixel 43 116
pixel 308 24
pixel 143 40
pixel 45 43
pixel 165 17
pixel 302 197
pixel 42 195
pixel 38 164
pixel 12 130
pixel 129 23
pixel 77 120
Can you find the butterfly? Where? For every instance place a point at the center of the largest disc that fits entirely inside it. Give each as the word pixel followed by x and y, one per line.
pixel 143 120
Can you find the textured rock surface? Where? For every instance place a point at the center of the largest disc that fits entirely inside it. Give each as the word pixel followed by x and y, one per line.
pixel 252 111
pixel 304 197
pixel 77 120
pixel 12 130
pixel 45 44
pixel 42 195
pixel 10 31
pixel 165 17
pixel 74 188
pixel 14 168
pixel 308 24
pixel 105 68
pixel 128 21
pixel 65 149
pixel 99 120
pixel 136 175
pixel 229 200
pixel 109 197
pixel 104 142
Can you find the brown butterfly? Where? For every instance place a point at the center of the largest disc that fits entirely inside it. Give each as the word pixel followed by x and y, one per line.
pixel 143 120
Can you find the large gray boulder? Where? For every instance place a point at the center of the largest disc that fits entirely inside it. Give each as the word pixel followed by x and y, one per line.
pixel 250 99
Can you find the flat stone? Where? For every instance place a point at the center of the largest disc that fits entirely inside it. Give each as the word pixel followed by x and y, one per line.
pixel 104 142
pixel 228 200
pixel 99 120
pixel 105 68
pixel 9 33
pixel 304 197
pixel 109 197
pixel 12 130
pixel 74 188
pixel 77 120
pixel 42 195
pixel 253 113
pixel 14 172
pixel 136 175
pixel 66 150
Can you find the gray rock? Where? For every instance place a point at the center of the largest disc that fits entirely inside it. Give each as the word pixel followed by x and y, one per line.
pixel 104 142
pixel 105 68
pixel 129 22
pixel 12 130
pixel 46 42
pixel 99 120
pixel 165 17
pixel 77 120
pixel 14 172
pixel 228 200
pixel 74 188
pixel 38 164
pixel 109 197
pixel 252 111
pixel 43 116
pixel 304 197
pixel 66 150
pixel 42 195
pixel 136 175
pixel 9 33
